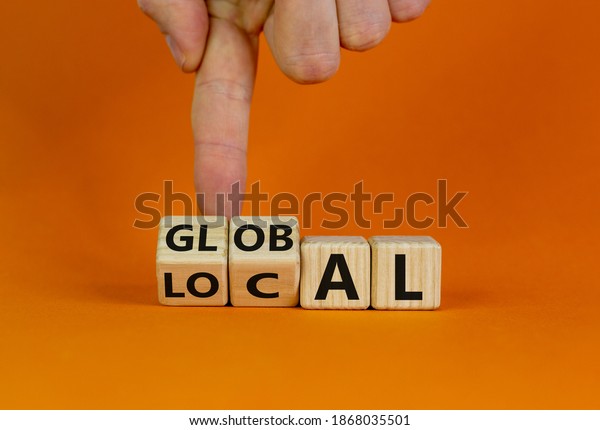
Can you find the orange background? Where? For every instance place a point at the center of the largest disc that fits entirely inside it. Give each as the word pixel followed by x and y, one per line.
pixel 500 98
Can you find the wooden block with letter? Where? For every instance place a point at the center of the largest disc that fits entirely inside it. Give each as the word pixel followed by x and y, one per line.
pixel 336 272
pixel 406 272
pixel 191 261
pixel 264 261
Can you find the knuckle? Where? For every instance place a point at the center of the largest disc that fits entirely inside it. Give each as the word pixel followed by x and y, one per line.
pixel 226 88
pixel 311 68
pixel 408 10
pixel 221 149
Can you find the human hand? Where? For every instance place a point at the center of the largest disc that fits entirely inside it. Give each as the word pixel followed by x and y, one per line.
pixel 218 39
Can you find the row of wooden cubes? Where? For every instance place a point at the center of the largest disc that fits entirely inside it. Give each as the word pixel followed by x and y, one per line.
pixel 260 261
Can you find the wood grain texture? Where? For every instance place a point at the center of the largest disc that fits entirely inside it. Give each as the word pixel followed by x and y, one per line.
pixel 275 271
pixel 316 253
pixel 423 263
pixel 199 264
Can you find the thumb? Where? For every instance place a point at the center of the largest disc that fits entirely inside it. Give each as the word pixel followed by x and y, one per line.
pixel 184 24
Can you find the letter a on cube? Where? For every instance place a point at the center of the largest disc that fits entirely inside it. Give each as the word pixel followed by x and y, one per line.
pixel 336 272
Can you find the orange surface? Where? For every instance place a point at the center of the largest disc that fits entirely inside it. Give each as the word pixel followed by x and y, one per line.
pixel 500 98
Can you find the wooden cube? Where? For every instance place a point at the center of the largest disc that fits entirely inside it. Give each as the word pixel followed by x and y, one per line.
pixel 191 261
pixel 406 272
pixel 336 272
pixel 264 261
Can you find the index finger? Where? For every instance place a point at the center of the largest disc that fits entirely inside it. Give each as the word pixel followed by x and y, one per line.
pixel 220 114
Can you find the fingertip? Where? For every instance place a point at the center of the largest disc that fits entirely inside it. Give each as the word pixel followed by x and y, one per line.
pixel 176 52
pixel 185 26
pixel 311 68
pixel 367 36
pixel 219 171
pixel 304 38
pixel 363 25
pixel 407 10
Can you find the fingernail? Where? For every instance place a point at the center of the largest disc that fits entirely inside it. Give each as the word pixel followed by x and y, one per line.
pixel 177 54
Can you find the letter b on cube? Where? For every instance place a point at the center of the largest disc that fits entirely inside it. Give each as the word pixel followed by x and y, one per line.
pixel 264 261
